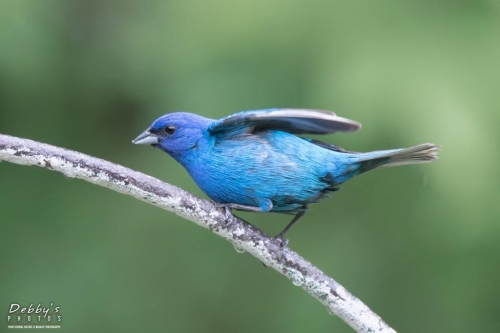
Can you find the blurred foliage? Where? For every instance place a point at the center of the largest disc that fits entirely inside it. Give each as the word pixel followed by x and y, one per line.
pixel 418 244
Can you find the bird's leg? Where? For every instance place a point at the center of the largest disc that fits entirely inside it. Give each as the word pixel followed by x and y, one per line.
pixel 229 215
pixel 281 235
pixel 242 207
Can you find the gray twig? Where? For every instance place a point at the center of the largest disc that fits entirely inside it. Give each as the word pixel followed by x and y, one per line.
pixel 243 235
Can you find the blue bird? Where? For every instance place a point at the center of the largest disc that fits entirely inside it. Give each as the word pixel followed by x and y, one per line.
pixel 254 160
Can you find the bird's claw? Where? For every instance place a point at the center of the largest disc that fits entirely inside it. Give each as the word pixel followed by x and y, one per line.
pixel 228 215
pixel 283 241
pixel 228 222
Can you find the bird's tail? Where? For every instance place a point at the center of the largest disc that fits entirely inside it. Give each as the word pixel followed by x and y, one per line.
pixel 424 153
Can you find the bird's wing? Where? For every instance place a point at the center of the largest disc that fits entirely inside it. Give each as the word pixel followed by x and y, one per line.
pixel 296 121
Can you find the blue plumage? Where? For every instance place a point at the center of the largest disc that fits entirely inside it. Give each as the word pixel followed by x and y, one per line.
pixel 253 160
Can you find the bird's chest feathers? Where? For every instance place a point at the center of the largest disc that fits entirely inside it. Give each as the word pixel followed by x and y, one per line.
pixel 231 160
pixel 245 169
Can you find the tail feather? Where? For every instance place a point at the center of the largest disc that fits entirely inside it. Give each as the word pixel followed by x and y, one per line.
pixel 424 153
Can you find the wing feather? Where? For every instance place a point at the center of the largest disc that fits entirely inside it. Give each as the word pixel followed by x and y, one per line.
pixel 296 121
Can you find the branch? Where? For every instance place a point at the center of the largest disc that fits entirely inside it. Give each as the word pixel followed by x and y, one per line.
pixel 243 235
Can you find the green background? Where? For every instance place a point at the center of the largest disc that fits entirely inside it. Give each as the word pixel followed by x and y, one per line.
pixel 419 244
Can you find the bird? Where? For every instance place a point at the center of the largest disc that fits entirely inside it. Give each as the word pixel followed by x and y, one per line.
pixel 259 160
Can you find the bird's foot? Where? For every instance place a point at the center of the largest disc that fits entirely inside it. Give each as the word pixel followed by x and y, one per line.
pixel 282 241
pixel 228 215
pixel 281 236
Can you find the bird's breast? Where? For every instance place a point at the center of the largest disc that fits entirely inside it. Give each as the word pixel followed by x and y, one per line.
pixel 246 170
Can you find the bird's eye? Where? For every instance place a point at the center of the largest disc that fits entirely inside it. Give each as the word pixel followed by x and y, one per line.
pixel 170 130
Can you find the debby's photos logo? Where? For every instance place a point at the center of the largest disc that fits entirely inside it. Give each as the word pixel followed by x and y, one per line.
pixel 34 316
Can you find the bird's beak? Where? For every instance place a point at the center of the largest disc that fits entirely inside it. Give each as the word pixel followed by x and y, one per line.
pixel 146 138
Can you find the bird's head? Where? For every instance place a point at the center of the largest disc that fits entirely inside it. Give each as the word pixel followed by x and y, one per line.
pixel 175 133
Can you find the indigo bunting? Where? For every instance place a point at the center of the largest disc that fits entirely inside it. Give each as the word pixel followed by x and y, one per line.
pixel 254 160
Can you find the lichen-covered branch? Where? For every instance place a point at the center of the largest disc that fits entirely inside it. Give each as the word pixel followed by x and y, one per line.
pixel 243 235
